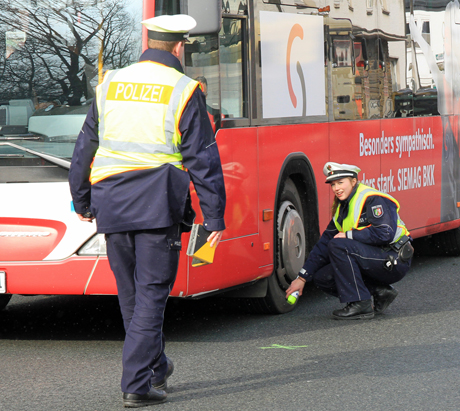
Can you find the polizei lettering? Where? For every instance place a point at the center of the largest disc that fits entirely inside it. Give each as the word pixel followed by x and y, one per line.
pixel 139 92
pixel 147 92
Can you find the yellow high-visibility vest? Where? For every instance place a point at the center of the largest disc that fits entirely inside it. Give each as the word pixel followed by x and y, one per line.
pixel 355 207
pixel 140 108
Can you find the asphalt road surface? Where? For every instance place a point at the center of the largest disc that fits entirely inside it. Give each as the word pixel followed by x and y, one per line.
pixel 64 353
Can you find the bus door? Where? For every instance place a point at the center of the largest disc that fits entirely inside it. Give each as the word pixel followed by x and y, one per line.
pixel 219 63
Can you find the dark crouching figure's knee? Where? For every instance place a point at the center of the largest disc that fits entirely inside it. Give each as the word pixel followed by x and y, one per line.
pixel 325 281
pixel 338 246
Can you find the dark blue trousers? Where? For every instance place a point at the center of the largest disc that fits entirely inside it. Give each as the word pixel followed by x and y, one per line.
pixel 354 270
pixel 145 266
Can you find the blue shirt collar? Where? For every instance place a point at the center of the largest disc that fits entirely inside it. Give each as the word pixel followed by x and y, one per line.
pixel 162 57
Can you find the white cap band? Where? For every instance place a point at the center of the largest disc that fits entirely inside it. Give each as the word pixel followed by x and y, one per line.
pixel 336 171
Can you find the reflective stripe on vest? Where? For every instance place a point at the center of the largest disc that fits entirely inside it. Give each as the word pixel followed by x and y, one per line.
pixel 355 208
pixel 139 121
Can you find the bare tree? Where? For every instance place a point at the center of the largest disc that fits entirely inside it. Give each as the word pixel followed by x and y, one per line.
pixel 67 42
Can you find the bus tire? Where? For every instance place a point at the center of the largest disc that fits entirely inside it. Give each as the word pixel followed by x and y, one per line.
pixel 290 252
pixel 4 300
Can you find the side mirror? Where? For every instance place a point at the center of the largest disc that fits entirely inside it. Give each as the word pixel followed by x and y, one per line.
pixel 207 13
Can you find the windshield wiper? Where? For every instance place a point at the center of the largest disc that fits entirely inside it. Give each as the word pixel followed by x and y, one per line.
pixel 19 137
pixel 48 157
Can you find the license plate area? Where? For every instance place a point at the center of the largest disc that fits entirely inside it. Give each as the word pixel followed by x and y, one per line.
pixel 2 282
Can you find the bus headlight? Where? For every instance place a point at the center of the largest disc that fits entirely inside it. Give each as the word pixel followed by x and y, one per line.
pixel 94 246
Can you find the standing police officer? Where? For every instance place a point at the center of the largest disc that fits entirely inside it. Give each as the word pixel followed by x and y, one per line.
pixel 148 124
pixel 365 248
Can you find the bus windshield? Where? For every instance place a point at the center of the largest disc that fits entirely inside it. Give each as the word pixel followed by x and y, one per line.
pixel 52 56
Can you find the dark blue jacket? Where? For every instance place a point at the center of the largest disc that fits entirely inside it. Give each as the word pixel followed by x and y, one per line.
pixel 379 231
pixel 158 197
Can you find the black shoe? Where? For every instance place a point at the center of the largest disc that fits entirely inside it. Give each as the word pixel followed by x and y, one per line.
pixel 162 385
pixel 384 295
pixel 143 400
pixel 357 310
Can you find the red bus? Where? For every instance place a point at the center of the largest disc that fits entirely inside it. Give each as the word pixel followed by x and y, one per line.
pixel 290 85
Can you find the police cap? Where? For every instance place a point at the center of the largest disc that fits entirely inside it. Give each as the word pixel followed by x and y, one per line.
pixel 169 28
pixel 336 171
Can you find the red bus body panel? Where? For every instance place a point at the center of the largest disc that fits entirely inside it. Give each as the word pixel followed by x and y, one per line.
pixel 49 277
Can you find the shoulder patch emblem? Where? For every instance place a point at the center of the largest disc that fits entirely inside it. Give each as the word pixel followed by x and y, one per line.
pixel 377 211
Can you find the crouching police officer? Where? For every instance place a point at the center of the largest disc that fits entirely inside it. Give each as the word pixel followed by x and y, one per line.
pixel 363 250
pixel 148 123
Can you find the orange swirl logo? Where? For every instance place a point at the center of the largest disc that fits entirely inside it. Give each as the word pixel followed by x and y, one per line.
pixel 296 31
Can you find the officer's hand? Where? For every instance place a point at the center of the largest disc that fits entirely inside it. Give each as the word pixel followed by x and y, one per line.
pixel 88 219
pixel 297 285
pixel 215 238
pixel 340 235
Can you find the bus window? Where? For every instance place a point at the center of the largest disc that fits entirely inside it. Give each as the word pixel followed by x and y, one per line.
pixel 202 64
pixel 231 68
pixel 167 7
pixel 346 98
pixel 428 32
pixel 52 56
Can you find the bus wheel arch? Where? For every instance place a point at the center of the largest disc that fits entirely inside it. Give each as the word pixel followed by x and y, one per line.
pixel 297 173
pixel 296 203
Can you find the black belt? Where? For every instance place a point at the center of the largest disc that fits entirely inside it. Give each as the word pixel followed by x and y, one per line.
pixel 397 245
pixel 403 247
